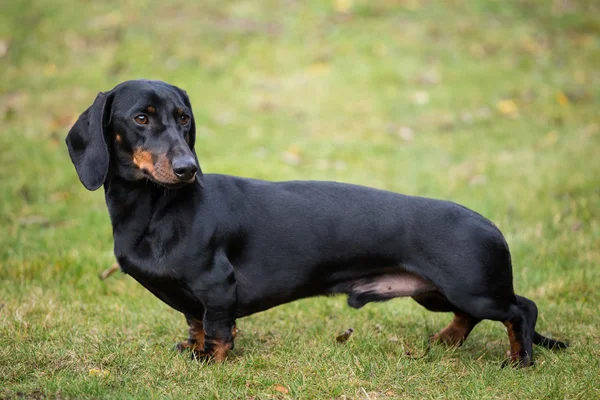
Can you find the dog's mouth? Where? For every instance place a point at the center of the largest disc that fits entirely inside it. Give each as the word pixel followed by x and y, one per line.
pixel 167 183
pixel 159 170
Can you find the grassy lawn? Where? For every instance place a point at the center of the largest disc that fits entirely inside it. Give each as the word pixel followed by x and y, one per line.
pixel 492 104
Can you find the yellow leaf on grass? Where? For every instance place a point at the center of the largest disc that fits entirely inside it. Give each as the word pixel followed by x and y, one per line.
pixel 317 68
pixel 562 99
pixel 343 5
pixel 507 107
pixel 98 372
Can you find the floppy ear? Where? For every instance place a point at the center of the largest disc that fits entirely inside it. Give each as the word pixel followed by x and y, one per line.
pixel 87 143
pixel 186 101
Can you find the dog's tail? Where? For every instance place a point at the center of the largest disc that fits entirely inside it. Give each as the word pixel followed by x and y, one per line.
pixel 548 343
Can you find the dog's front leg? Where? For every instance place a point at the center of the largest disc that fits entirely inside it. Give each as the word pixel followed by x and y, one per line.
pixel 196 335
pixel 217 291
pixel 219 337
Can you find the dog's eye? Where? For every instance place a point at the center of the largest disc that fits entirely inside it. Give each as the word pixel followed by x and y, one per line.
pixel 141 119
pixel 184 119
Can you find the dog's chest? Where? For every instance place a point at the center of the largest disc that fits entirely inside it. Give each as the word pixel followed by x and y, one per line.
pixel 160 264
pixel 164 280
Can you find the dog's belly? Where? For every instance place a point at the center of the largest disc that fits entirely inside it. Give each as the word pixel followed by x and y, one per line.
pixel 387 286
pixel 400 284
pixel 362 286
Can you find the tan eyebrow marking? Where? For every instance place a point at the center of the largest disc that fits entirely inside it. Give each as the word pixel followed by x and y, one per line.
pixel 151 110
pixel 180 111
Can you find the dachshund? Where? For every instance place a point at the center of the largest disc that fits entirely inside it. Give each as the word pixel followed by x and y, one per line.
pixel 218 247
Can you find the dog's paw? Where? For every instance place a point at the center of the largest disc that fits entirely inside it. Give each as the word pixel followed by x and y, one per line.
pixel 522 363
pixel 202 356
pixel 182 346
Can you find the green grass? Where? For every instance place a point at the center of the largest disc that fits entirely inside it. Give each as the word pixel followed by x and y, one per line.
pixel 491 104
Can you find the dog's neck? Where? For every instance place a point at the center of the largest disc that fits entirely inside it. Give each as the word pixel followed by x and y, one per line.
pixel 144 229
pixel 133 204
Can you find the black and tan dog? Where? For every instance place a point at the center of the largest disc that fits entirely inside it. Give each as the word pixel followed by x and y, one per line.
pixel 218 247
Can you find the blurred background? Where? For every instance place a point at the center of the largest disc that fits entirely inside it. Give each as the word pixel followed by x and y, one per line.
pixel 491 104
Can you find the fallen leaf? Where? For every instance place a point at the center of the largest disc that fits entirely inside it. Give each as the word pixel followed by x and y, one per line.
pixel 421 98
pixel 343 338
pixel 405 133
pixel 59 196
pixel 562 99
pixel 109 271
pixel 317 68
pixel 507 107
pixel 281 389
pixel 3 48
pixel 343 6
pixel 98 372
pixel 292 156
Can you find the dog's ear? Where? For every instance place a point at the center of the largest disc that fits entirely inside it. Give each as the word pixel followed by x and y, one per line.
pixel 192 141
pixel 186 101
pixel 86 142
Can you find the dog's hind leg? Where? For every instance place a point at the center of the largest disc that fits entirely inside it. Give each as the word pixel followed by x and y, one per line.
pixel 519 329
pixel 458 330
pixel 520 335
pixel 531 313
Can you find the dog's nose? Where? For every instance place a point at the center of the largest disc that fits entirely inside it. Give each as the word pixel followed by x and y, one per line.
pixel 184 168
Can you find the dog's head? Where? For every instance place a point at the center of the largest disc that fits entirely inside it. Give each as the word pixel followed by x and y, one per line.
pixel 140 130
